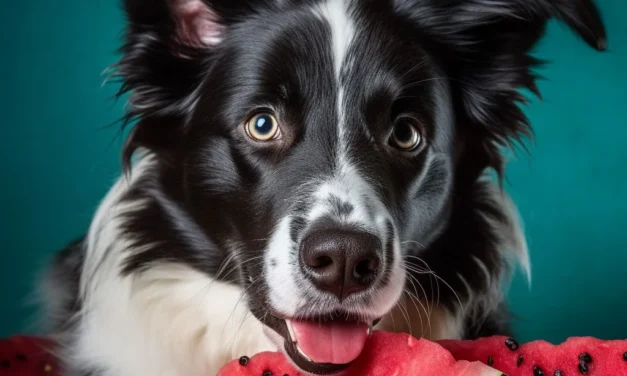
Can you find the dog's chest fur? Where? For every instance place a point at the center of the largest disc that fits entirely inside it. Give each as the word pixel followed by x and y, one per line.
pixel 169 319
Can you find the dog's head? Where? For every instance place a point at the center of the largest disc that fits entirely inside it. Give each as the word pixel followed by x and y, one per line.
pixel 312 139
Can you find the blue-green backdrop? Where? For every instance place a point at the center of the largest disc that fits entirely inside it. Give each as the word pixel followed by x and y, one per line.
pixel 59 155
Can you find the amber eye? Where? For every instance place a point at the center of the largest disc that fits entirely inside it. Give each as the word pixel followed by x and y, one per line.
pixel 262 127
pixel 406 135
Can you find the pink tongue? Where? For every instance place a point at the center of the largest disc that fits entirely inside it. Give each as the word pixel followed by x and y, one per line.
pixel 332 342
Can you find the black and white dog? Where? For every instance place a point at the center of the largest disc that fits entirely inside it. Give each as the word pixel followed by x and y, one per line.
pixel 302 172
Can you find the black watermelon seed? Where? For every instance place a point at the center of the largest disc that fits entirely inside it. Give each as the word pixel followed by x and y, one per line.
pixel 244 360
pixel 537 371
pixel 586 358
pixel 266 373
pixel 520 360
pixel 625 356
pixel 5 364
pixel 558 373
pixel 20 357
pixel 511 344
pixel 583 368
pixel 490 360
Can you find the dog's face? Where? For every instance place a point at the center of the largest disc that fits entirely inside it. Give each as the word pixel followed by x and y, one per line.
pixel 323 140
pixel 320 153
pixel 313 140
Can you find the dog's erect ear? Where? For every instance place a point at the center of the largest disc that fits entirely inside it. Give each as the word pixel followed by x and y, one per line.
pixel 486 45
pixel 169 45
pixel 189 23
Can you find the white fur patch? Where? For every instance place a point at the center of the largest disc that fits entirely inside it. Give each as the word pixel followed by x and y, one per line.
pixel 166 320
pixel 284 290
pixel 336 14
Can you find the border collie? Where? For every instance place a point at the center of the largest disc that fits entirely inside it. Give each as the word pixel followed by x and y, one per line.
pixel 299 173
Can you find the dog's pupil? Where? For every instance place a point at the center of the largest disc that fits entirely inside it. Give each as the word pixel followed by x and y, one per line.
pixel 263 124
pixel 403 132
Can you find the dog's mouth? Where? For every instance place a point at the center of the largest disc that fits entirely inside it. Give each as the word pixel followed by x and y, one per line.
pixel 323 345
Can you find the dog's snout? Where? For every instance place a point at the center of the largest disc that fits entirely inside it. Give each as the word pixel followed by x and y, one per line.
pixel 342 262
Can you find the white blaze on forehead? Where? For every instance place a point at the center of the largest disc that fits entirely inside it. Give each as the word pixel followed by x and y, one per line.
pixel 336 14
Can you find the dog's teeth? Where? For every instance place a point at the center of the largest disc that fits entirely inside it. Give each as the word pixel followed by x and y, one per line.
pixel 303 354
pixel 290 330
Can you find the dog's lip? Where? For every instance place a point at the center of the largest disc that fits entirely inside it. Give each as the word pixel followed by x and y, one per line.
pixel 372 322
pixel 281 325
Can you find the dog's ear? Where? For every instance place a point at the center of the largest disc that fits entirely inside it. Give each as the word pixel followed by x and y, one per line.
pixel 168 46
pixel 486 46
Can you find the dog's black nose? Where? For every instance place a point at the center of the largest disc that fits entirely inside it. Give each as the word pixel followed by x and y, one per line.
pixel 341 261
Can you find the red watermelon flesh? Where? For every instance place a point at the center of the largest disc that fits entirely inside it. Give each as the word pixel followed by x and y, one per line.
pixel 26 356
pixel 385 354
pixel 262 364
pixel 576 356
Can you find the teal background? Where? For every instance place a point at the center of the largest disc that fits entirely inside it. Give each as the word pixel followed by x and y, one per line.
pixel 59 155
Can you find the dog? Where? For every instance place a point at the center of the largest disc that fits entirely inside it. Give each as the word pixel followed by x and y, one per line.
pixel 299 173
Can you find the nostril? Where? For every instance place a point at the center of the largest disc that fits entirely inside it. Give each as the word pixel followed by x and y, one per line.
pixel 366 269
pixel 321 262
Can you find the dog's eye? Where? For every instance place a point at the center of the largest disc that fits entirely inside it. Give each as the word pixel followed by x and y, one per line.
pixel 262 127
pixel 406 134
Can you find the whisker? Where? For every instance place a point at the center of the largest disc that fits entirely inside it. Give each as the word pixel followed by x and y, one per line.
pixel 405 314
pixel 236 304
pixel 393 323
pixel 428 313
pixel 415 299
pixel 418 270
pixel 419 284
pixel 424 293
pixel 206 289
pixel 438 278
pixel 415 242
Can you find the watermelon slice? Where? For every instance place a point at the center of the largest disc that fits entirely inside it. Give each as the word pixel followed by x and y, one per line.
pixel 385 354
pixel 26 356
pixel 576 356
